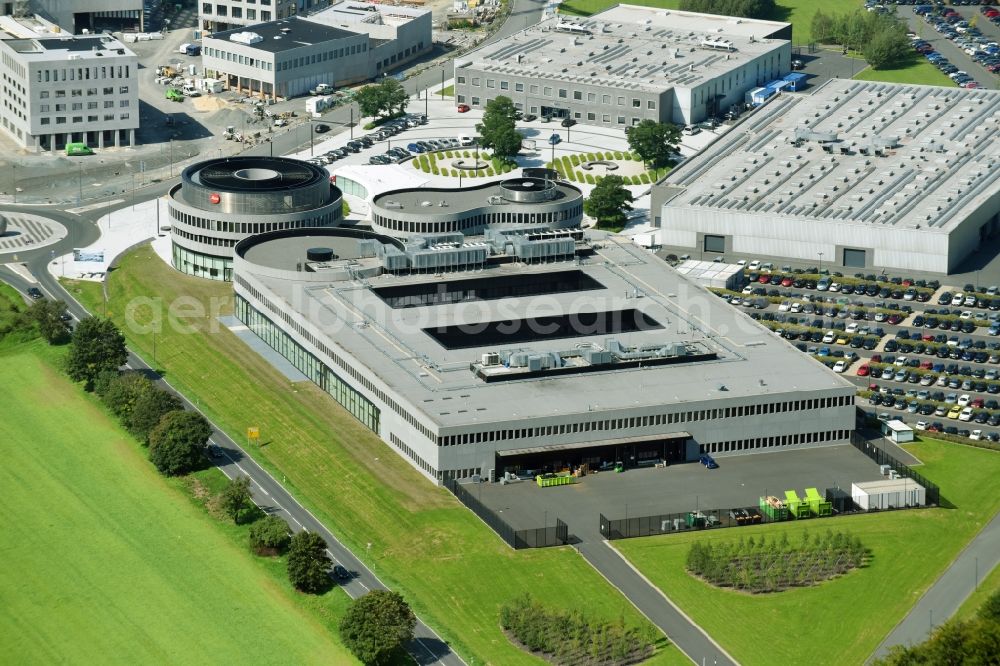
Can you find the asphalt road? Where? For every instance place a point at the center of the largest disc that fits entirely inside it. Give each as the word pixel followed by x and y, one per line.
pixel 651 602
pixel 946 595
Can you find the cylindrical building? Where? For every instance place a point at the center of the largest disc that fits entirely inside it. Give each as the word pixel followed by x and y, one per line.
pixel 220 202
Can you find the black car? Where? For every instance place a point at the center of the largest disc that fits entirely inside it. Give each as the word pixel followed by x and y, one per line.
pixel 567 122
pixel 321 128
pixel 340 573
pixel 528 117
pixel 35 293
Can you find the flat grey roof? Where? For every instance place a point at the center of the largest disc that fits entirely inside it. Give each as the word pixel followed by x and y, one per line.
pixel 628 47
pixel 852 152
pixel 392 343
pixel 301 32
pixel 428 200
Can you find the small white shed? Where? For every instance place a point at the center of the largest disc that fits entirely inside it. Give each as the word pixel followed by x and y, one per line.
pixel 888 494
pixel 896 431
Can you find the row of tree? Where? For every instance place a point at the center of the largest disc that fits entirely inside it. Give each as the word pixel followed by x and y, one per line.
pixel 776 564
pixel 43 317
pixel 760 9
pixel 975 641
pixel 879 37
pixel 571 637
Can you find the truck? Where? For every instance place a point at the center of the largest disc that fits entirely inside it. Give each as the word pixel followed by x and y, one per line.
pixel 211 85
pixel 321 89
pixel 75 149
pixel 189 49
pixel 190 90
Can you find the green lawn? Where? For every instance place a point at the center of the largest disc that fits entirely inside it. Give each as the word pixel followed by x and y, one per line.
pixel 452 569
pixel 841 621
pixel 917 71
pixel 588 7
pixel 447 91
pixel 105 562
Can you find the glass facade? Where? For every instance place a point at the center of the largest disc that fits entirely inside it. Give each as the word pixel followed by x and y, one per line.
pixel 358 405
pixel 202 265
pixel 348 186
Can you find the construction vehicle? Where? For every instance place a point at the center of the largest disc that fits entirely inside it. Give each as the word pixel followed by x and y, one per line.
pixel 321 89
pixel 75 149
pixel 166 70
pixel 175 95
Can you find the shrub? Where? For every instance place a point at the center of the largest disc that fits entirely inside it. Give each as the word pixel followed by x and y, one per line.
pixel 590 178
pixel 177 443
pixel 574 159
pixel 591 156
pixel 507 168
pixel 308 563
pixel 434 170
pixel 480 173
pixel 644 177
pixel 580 176
pixel 376 626
pixel 571 637
pixel 618 155
pixel 269 536
pixel 489 172
pixel 466 154
pixel 448 154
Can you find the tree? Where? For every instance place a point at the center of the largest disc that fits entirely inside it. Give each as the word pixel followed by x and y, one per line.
pixel 177 443
pixel 761 9
pixel 369 101
pixel 886 49
pixel 656 143
pixel 393 96
pixel 308 563
pixel 122 392
pixel 97 345
pixel 990 610
pixel 48 316
pixel 236 497
pixel 823 27
pixel 609 202
pixel 497 129
pixel 376 625
pixel 269 536
pixel 150 406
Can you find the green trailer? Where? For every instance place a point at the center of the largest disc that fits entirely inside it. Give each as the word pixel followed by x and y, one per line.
pixel 773 508
pixel 796 507
pixel 74 149
pixel 817 504
pixel 548 480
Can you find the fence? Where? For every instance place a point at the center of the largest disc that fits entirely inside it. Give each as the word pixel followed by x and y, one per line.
pixel 843 503
pixel 538 537
pixel 882 457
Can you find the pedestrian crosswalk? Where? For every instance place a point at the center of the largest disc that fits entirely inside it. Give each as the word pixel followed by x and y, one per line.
pixel 26 231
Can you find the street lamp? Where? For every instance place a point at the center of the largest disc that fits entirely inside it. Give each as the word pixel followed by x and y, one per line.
pixel 820 263
pixel 79 182
pixel 13 167
pixel 171 157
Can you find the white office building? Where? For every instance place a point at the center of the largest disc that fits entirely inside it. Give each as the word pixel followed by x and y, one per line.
pixel 222 15
pixel 60 88
pixel 78 15
pixel 347 43
pixel 627 64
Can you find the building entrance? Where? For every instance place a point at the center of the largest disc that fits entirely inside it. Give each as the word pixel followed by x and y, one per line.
pixel 628 452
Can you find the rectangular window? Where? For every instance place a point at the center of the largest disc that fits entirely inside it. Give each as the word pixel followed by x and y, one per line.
pixel 650 104
pixel 578 95
pixel 518 87
pixel 461 79
pixel 606 118
pixel 621 101
pixel 123 90
pixel 461 99
pixel 636 103
pixel 562 93
pixel 547 91
pixel 621 120
pixel 475 80
pixel 714 243
pixel 490 83
pixel 533 89
pixel 591 116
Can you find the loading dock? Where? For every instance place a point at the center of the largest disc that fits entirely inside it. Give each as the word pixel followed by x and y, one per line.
pixel 631 452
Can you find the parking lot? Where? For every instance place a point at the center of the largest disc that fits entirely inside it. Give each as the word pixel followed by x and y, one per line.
pixel 739 481
pixel 953 36
pixel 923 347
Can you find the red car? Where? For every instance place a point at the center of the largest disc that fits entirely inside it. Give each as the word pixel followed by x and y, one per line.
pixel 462 108
pixel 764 279
pixel 926 365
pixel 863 371
pixel 787 282
pixel 876 358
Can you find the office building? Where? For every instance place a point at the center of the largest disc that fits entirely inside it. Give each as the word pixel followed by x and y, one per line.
pixel 857 174
pixel 77 16
pixel 627 64
pixel 529 349
pixel 347 43
pixel 60 88
pixel 222 201
pixel 222 15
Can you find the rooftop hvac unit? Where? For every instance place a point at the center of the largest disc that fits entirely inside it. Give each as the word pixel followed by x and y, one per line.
pixel 245 37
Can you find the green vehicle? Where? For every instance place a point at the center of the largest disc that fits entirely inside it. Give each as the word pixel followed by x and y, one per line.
pixel 175 95
pixel 74 149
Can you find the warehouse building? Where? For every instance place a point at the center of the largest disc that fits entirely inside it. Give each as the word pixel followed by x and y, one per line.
pixel 857 174
pixel 469 360
pixel 222 201
pixel 522 202
pixel 60 88
pixel 75 16
pixel 346 43
pixel 628 64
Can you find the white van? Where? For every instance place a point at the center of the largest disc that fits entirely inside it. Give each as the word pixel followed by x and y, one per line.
pixel 465 140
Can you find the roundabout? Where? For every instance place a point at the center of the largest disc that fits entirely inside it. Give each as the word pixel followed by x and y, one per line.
pixel 25 231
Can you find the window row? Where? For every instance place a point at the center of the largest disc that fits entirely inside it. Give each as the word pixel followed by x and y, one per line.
pixel 62 120
pixel 777 440
pixel 358 375
pixel 225 11
pixel 736 412
pixel 564 93
pixel 85 74
pixel 477 221
pixel 276 338
pixel 412 455
pixel 227 226
pixel 202 265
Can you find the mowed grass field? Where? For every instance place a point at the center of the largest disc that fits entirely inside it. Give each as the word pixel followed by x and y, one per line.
pixel 917 71
pixel 453 570
pixel 844 620
pixel 104 562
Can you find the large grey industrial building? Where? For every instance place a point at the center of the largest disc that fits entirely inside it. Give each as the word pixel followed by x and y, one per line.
pixel 508 204
pixel 347 43
pixel 468 358
pixel 222 201
pixel 75 16
pixel 60 88
pixel 628 64
pixel 856 174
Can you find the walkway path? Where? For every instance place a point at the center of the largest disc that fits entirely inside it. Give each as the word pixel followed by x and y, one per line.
pixel 651 602
pixel 954 586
